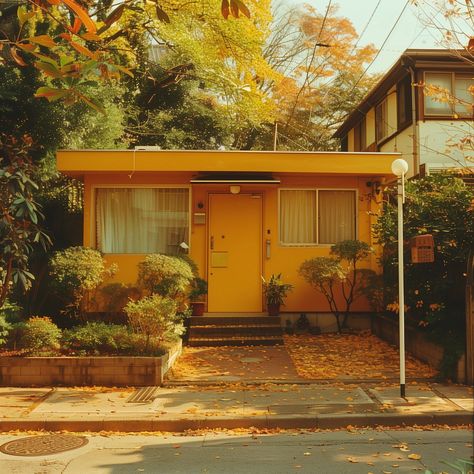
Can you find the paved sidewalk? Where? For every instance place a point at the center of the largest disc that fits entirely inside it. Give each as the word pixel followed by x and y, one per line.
pixel 264 405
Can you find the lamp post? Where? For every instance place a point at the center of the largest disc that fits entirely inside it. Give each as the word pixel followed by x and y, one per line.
pixel 399 169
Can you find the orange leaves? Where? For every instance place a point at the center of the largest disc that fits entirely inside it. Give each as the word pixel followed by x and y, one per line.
pixel 234 7
pixel 16 57
pixel 43 40
pixel 83 50
pixel 161 14
pixel 81 14
pixel 333 356
pixel 51 94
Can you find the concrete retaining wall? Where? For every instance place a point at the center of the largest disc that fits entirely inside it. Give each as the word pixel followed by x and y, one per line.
pixel 416 343
pixel 75 371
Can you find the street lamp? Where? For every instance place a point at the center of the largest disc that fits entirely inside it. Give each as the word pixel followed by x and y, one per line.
pixel 399 169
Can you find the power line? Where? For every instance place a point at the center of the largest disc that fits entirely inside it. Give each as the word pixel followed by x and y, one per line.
pixel 381 47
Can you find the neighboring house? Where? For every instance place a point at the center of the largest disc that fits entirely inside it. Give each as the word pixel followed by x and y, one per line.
pixel 399 114
pixel 243 215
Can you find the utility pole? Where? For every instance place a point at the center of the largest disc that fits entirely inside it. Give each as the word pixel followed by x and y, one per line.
pixel 275 136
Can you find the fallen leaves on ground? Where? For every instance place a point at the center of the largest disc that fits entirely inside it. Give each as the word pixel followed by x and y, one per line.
pixel 350 356
pixel 241 362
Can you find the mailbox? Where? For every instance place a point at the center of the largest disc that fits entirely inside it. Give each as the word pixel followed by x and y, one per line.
pixel 422 249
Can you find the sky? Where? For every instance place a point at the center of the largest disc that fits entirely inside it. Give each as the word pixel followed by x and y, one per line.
pixel 411 30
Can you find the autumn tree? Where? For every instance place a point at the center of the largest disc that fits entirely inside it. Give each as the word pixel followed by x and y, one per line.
pixel 320 63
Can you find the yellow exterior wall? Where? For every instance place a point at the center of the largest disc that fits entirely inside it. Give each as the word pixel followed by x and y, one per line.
pixel 128 168
pixel 284 259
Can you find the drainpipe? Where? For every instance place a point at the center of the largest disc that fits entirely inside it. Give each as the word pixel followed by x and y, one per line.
pixel 415 139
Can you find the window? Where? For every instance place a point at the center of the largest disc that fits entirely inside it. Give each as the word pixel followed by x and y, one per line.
pixel 381 121
pixel 448 94
pixel 141 220
pixel 360 142
pixel 404 99
pixel 311 216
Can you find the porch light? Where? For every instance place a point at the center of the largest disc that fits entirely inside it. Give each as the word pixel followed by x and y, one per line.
pixel 234 189
pixel 399 169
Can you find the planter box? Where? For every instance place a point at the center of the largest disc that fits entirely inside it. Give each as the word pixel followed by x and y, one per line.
pixel 416 343
pixel 74 371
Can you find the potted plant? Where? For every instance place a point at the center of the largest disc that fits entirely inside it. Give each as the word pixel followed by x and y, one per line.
pixel 275 291
pixel 196 296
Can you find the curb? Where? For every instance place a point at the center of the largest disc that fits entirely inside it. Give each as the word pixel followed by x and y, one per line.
pixel 283 422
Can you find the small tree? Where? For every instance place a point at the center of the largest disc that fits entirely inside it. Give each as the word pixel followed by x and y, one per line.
pixel 20 214
pixel 338 270
pixel 155 317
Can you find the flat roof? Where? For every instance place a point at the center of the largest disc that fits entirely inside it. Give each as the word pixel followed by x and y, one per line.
pixel 81 162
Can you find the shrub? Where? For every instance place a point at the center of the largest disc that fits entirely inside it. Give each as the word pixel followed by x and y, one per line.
pixel 5 328
pixel 440 205
pixel 98 338
pixel 324 273
pixel 165 275
pixel 39 336
pixel 76 272
pixel 9 313
pixel 155 317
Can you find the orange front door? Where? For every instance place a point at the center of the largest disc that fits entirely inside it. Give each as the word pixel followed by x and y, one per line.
pixel 235 253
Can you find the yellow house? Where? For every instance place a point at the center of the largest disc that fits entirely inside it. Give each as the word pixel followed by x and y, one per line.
pixel 243 214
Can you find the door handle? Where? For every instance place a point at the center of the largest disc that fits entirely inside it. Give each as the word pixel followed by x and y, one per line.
pixel 268 248
pixel 212 242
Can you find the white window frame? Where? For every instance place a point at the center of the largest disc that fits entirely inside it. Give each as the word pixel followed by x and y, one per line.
pixel 93 216
pixel 385 120
pixel 452 114
pixel 317 244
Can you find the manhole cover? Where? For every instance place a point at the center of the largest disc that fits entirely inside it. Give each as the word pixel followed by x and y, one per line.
pixel 42 445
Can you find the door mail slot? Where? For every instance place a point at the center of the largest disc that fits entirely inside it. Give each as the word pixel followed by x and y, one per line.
pixel 422 249
pixel 219 259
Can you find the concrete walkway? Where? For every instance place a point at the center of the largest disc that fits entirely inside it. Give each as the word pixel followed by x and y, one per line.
pixel 264 405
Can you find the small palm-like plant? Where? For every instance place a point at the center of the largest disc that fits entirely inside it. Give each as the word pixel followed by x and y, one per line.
pixel 275 292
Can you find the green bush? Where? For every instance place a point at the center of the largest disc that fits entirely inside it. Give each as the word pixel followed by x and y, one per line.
pixel 5 328
pixel 155 317
pixel 165 275
pixel 98 338
pixel 39 336
pixel 440 205
pixel 9 314
pixel 76 272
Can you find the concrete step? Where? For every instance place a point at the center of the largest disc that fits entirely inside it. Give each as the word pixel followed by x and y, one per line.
pixel 235 341
pixel 236 330
pixel 233 320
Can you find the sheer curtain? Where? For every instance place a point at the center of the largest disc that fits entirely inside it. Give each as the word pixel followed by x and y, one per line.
pixel 298 216
pixel 336 216
pixel 141 220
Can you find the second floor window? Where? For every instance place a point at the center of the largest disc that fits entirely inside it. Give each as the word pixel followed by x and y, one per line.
pixel 404 98
pixel 448 94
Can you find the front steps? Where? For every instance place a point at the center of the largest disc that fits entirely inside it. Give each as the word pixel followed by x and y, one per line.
pixel 235 331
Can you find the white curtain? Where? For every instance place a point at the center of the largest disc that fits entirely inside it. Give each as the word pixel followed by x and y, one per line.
pixel 336 216
pixel 462 93
pixel 141 220
pixel 438 104
pixel 298 216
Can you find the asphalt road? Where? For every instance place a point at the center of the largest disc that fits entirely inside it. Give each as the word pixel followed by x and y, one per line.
pixel 336 452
